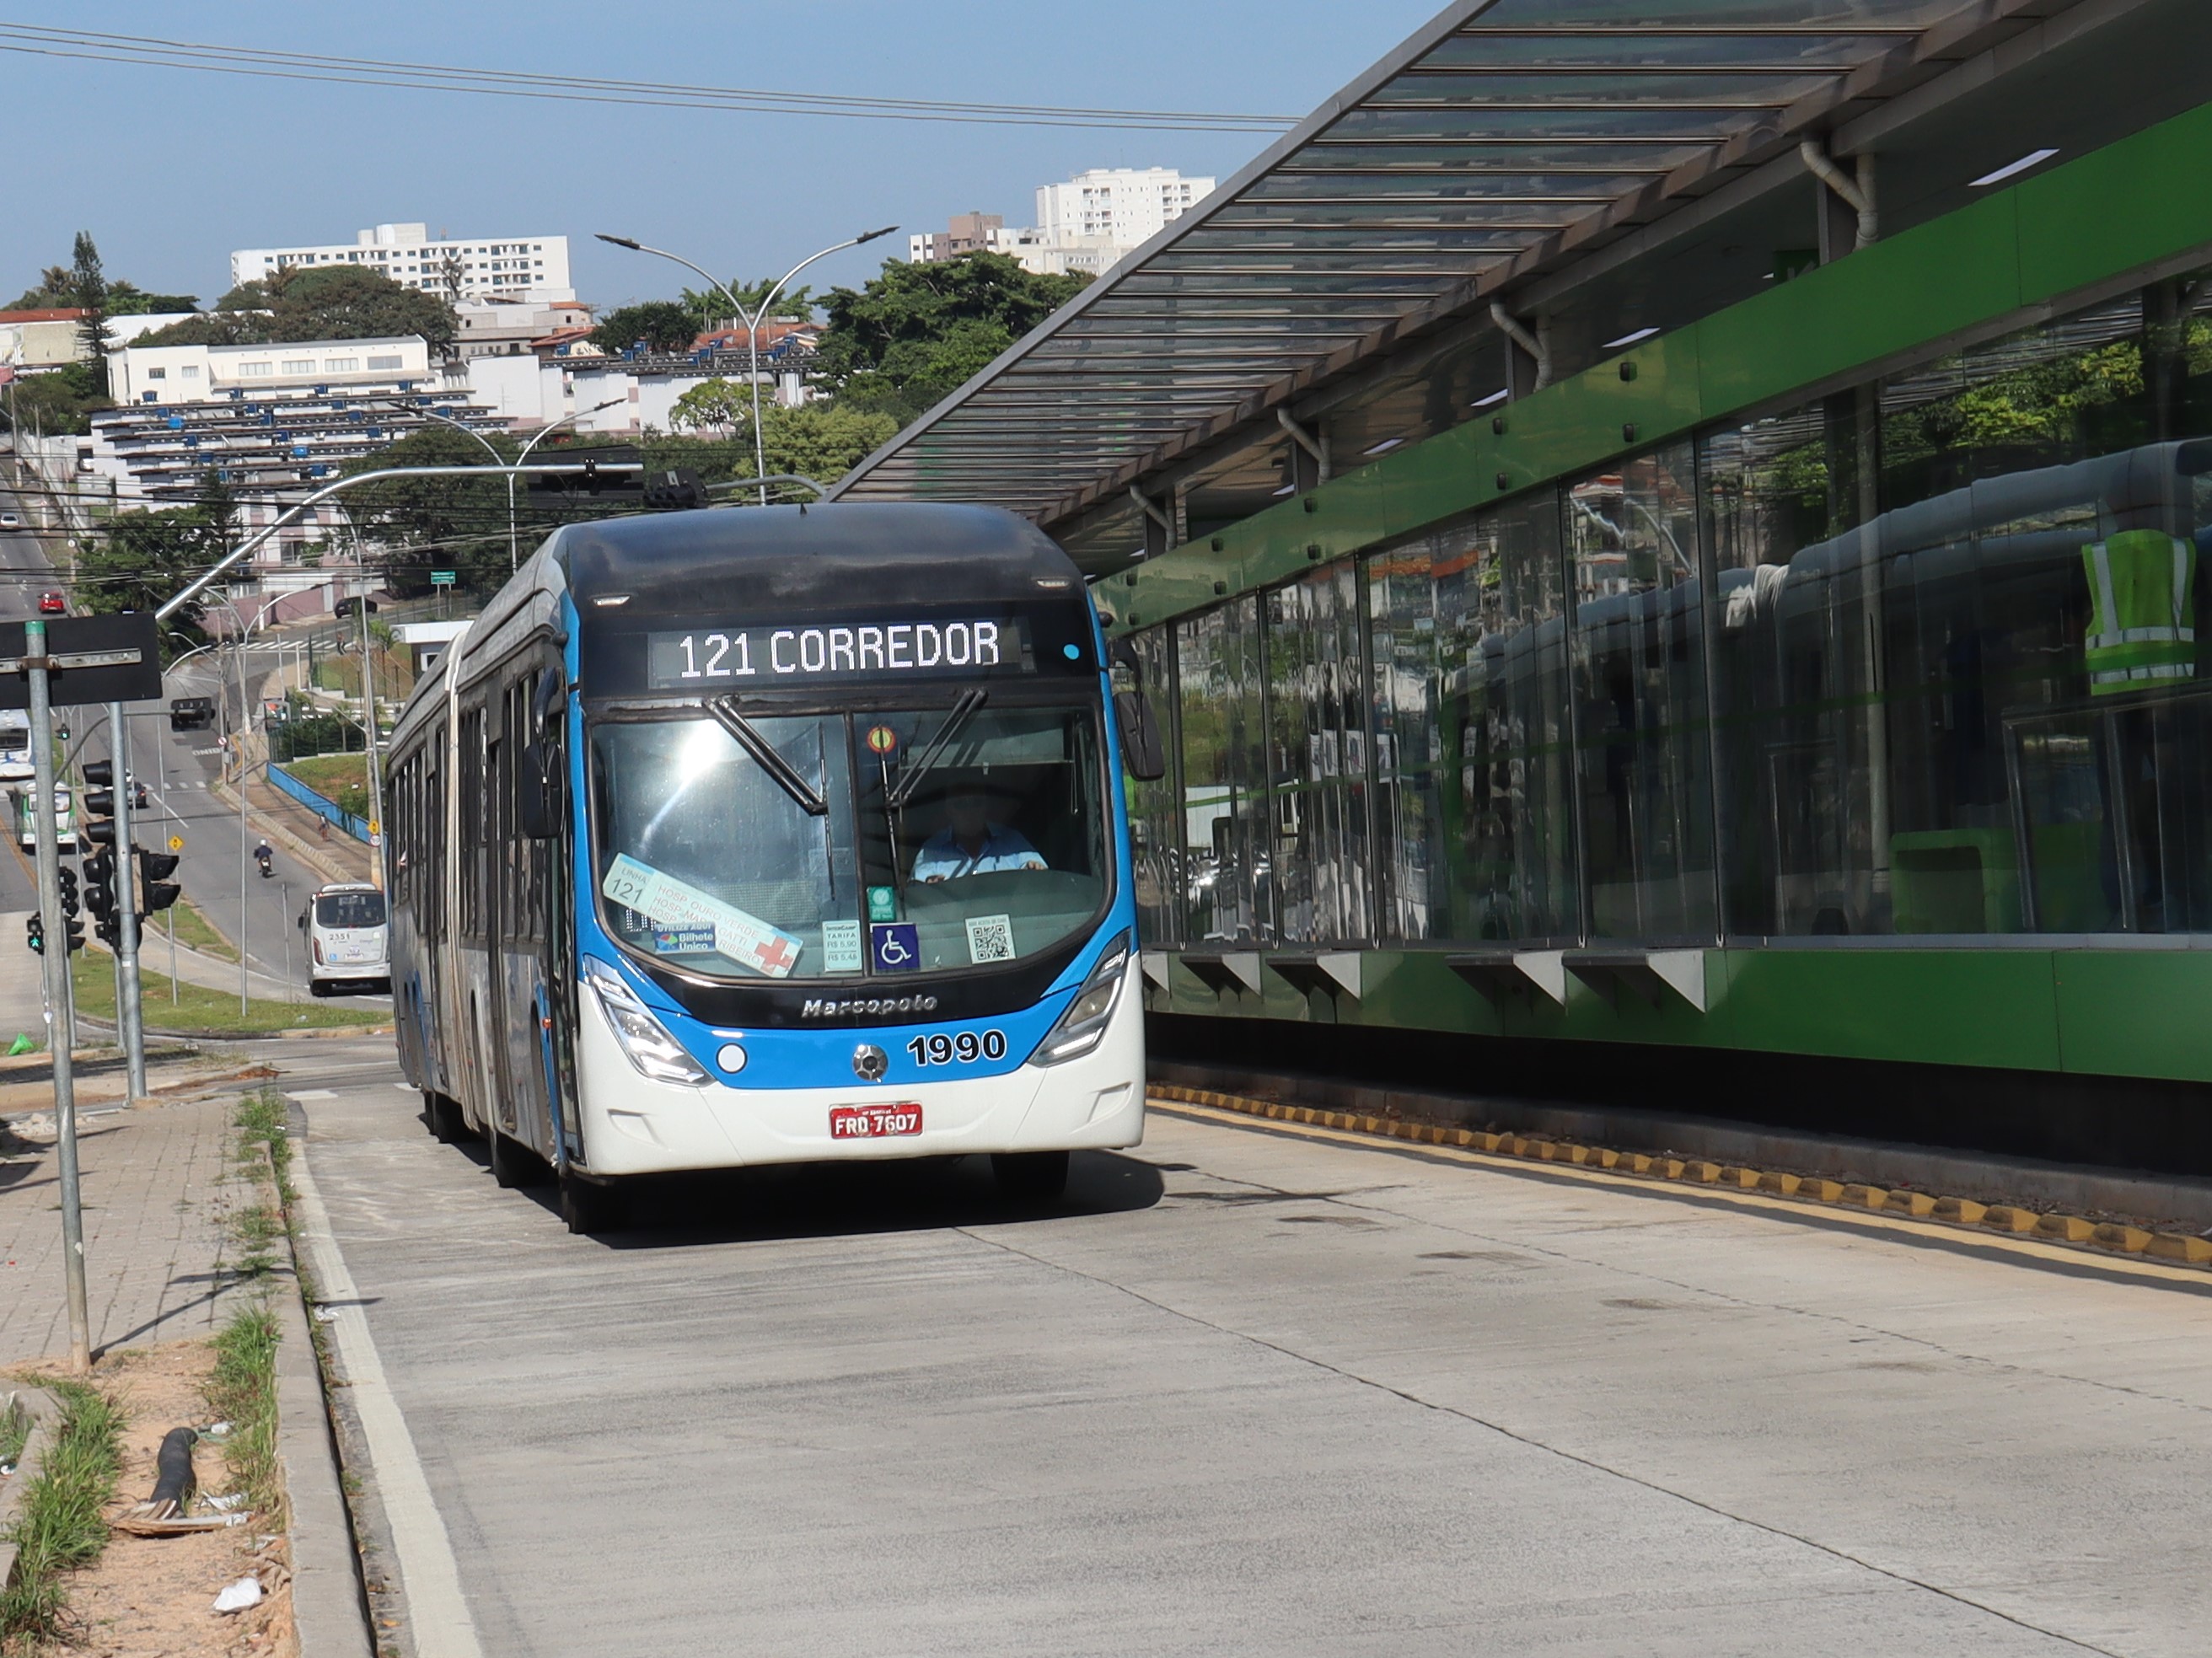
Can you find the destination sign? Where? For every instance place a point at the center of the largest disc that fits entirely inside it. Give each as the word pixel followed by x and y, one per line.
pixel 716 659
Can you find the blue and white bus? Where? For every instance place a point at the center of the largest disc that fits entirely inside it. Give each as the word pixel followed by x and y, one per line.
pixel 772 835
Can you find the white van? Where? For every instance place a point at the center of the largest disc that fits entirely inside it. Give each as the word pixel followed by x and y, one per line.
pixel 348 928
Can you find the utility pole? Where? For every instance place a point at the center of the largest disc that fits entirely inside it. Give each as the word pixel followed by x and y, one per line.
pixel 60 1009
pixel 375 769
pixel 130 1018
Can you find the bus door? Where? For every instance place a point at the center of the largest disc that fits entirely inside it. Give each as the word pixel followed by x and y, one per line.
pixel 530 1012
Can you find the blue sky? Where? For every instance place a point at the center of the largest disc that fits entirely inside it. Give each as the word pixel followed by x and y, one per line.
pixel 171 170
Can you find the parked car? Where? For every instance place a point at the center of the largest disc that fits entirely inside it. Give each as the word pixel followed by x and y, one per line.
pixel 52 603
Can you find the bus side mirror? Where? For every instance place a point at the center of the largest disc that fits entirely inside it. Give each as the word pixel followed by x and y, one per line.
pixel 1141 754
pixel 538 810
pixel 303 921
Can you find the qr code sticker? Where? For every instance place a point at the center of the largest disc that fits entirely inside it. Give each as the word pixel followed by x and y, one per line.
pixel 990 939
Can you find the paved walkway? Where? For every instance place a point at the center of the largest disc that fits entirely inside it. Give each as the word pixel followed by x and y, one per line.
pixel 157 1186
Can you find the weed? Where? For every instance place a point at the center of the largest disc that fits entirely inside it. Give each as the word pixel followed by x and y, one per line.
pixel 15 1428
pixel 59 1527
pixel 242 1391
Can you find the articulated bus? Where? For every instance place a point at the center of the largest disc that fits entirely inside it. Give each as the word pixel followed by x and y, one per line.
pixel 772 835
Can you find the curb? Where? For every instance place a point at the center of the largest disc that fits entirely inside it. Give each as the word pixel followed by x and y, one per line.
pixel 329 1603
pixel 46 1416
pixel 2179 1248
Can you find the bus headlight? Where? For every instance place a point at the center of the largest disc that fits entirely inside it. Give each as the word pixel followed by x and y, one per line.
pixel 643 1039
pixel 1083 1027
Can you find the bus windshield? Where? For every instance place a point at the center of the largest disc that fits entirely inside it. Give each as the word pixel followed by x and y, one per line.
pixel 869 844
pixel 349 909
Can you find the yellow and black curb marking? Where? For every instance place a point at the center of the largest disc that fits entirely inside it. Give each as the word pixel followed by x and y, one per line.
pixel 2178 1248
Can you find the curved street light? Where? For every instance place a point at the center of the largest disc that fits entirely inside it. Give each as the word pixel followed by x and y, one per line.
pixel 751 321
pixel 514 546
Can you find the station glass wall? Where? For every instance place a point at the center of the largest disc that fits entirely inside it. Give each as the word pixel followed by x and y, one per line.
pixel 1920 658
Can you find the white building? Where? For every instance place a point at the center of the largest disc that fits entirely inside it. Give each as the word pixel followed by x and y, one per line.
pixel 1082 225
pixel 1124 206
pixel 492 328
pixel 201 374
pixel 520 268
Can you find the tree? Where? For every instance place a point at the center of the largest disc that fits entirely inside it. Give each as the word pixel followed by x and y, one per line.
pixel 127 299
pixel 661 324
pixel 458 524
pixel 916 331
pixel 712 308
pixel 338 302
pixel 821 440
pixel 715 403
pixel 51 292
pixel 141 559
pixel 89 286
pixel 63 399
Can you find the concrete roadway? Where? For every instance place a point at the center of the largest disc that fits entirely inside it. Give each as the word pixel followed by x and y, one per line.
pixel 178 773
pixel 1249 1392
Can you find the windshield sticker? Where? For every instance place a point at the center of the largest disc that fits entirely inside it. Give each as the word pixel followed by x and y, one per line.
pixel 898 946
pixel 840 947
pixel 882 904
pixel 682 941
pixel 990 939
pixel 668 902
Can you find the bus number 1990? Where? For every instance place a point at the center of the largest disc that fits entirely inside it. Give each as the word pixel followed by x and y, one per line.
pixel 967 1048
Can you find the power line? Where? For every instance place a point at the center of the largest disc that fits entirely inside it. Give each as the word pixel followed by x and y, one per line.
pixel 86 45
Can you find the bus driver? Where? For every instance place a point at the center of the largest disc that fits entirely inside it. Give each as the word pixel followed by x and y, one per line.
pixel 970 844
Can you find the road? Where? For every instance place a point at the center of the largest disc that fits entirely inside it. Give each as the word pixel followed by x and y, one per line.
pixel 178 767
pixel 1252 1392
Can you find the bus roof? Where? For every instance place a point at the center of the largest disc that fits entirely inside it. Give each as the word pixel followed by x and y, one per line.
pixel 767 559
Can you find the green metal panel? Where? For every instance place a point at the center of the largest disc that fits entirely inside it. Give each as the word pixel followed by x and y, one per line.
pixel 2129 204
pixel 1948 274
pixel 2138 201
pixel 2135 1013
pixel 1993 1008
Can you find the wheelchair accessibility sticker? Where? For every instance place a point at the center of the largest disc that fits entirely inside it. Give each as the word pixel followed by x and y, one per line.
pixel 898 946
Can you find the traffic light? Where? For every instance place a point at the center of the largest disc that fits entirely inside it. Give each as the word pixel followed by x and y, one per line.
pixel 155 890
pixel 74 928
pixel 97 826
pixel 673 489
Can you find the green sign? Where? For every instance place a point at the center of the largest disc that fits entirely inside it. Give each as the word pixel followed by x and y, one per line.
pixel 442 577
pixel 882 904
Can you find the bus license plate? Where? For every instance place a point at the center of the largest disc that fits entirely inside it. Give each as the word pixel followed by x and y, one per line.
pixel 869 1122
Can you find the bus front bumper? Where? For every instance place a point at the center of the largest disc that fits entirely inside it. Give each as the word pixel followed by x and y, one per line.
pixel 634 1125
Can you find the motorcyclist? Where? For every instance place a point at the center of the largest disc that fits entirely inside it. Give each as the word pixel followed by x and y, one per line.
pixel 262 855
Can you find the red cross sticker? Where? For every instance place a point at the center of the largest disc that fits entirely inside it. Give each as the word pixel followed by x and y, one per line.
pixel 778 956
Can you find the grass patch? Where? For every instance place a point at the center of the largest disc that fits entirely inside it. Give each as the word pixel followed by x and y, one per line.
pixel 260 1121
pixel 343 778
pixel 59 1527
pixel 196 1009
pixel 194 931
pixel 242 1391
pixel 14 1429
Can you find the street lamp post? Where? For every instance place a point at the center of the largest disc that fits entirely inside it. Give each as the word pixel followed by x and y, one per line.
pixel 513 540
pixel 245 767
pixel 751 320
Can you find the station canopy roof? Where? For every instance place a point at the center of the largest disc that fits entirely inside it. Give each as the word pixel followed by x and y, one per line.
pixel 1506 136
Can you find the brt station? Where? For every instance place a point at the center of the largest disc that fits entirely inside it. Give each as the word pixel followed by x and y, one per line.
pixel 1666 543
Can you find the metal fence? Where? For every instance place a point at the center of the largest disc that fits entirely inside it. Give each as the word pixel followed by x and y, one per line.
pixel 285 783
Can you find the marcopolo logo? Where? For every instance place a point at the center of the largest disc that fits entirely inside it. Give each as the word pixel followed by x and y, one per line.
pixel 831 1007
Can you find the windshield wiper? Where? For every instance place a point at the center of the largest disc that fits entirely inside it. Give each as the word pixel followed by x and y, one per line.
pixel 970 700
pixel 764 755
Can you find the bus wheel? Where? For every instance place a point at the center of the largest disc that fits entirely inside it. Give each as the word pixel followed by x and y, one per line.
pixel 445 1115
pixel 1034 1176
pixel 512 1165
pixel 588 1207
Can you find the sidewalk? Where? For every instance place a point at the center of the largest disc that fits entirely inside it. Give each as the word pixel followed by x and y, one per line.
pixel 157 1198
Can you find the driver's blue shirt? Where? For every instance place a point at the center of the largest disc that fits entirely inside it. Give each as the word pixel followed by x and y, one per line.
pixel 943 858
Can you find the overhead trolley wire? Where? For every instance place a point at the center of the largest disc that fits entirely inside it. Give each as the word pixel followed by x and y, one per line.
pixel 32 39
